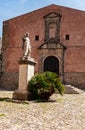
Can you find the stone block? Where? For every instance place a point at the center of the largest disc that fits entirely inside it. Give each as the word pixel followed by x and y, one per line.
pixel 20 95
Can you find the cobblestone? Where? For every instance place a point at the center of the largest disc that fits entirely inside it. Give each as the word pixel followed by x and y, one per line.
pixel 60 113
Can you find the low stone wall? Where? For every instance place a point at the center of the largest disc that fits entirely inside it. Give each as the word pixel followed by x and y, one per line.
pixel 9 81
pixel 76 79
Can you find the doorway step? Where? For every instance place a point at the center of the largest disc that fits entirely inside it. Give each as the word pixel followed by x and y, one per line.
pixel 69 89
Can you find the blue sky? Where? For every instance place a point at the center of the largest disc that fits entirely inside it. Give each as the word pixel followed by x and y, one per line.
pixel 13 8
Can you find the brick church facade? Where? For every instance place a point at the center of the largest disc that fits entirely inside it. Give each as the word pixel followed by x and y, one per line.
pixel 57 36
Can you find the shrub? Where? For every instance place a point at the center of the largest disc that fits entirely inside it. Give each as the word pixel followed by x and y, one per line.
pixel 43 85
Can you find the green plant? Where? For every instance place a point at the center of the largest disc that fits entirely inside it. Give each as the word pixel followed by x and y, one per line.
pixel 43 85
pixel 1 114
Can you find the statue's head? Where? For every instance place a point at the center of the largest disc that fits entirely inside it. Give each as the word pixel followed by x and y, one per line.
pixel 27 34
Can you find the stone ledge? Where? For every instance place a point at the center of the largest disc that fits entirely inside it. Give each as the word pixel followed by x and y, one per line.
pixel 27 61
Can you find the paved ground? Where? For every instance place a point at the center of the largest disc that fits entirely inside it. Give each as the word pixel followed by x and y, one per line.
pixel 61 113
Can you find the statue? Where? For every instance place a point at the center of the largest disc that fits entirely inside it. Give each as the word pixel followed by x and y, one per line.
pixel 26 46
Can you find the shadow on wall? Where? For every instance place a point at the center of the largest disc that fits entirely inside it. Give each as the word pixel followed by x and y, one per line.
pixel 0 44
pixel 1 59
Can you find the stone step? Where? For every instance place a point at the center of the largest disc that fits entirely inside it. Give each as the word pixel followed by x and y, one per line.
pixel 69 89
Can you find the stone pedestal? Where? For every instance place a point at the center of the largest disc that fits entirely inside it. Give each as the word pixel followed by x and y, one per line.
pixel 26 71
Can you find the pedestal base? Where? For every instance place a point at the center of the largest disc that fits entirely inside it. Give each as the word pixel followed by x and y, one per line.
pixel 20 95
pixel 26 72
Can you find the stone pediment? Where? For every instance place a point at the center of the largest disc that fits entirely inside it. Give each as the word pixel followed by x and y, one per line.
pixel 52 45
pixel 52 15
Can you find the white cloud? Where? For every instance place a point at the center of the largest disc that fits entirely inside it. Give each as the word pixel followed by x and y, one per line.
pixel 23 1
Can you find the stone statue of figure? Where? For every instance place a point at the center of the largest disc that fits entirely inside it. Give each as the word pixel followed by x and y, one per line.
pixel 26 46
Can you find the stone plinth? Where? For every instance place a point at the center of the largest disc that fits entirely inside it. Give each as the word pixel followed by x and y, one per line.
pixel 26 71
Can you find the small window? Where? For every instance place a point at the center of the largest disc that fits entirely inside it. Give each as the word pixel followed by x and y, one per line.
pixel 36 37
pixel 67 37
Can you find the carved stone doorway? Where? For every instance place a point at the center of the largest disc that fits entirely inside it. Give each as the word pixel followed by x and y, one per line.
pixel 51 63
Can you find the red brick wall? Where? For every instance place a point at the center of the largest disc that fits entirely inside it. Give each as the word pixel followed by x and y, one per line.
pixel 75 59
pixel 72 23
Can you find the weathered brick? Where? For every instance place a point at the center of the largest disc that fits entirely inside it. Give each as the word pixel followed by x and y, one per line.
pixel 72 23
